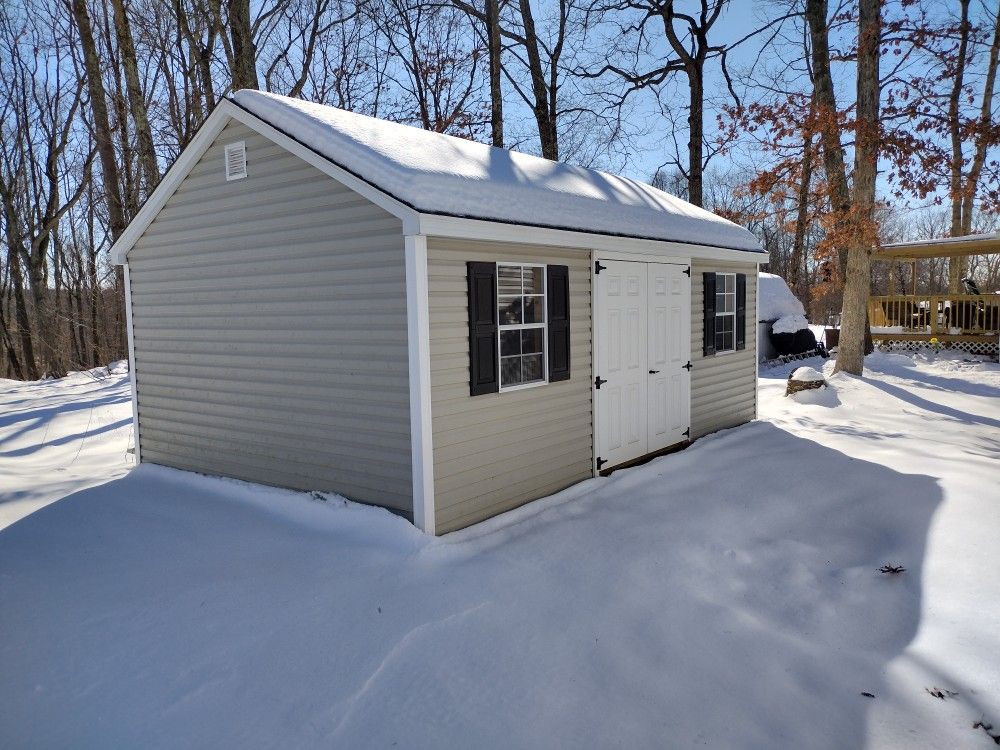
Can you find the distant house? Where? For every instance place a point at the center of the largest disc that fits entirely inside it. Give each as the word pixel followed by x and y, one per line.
pixel 322 300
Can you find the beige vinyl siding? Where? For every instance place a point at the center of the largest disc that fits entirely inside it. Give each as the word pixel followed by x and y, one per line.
pixel 723 386
pixel 497 451
pixel 270 330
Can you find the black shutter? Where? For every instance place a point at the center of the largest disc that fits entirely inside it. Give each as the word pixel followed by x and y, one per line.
pixel 484 367
pixel 741 311
pixel 557 282
pixel 708 287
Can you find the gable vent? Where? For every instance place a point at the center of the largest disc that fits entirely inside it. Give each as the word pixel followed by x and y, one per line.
pixel 236 160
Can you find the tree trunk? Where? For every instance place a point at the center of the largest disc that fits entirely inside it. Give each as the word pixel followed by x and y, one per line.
pixel 244 63
pixel 45 303
pixel 544 119
pixel 13 363
pixel 956 264
pixel 985 131
pixel 796 277
pixel 22 319
pixel 696 132
pixel 95 305
pixel 825 101
pixel 101 122
pixel 148 166
pixel 854 331
pixel 496 94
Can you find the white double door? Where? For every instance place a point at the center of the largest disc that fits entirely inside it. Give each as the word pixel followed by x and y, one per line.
pixel 643 351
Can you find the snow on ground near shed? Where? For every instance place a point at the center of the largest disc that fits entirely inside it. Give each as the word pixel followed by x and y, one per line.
pixel 724 596
pixel 438 173
pixel 60 437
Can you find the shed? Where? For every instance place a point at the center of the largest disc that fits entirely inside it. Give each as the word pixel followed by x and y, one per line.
pixel 326 301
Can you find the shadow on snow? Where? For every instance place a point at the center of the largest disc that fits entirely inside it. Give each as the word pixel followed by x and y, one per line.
pixel 726 595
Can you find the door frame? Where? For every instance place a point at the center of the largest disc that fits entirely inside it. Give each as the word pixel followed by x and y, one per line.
pixel 595 256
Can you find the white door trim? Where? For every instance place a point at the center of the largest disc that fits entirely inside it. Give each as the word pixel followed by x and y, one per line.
pixel 640 258
pixel 595 256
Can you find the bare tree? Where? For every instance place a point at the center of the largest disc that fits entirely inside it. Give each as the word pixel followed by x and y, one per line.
pixel 437 65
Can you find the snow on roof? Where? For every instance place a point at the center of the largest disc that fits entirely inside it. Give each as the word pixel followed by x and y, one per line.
pixel 440 174
pixel 776 299
pixel 987 237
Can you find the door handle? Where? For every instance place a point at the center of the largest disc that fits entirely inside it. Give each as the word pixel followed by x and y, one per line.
pixel 654 372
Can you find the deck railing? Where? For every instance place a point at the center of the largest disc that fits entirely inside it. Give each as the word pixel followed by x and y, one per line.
pixel 936 314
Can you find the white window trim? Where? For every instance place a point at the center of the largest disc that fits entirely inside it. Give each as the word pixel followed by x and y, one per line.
pixel 544 325
pixel 726 314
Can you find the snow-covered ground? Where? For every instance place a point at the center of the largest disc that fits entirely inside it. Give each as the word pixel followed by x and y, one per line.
pixel 60 437
pixel 724 596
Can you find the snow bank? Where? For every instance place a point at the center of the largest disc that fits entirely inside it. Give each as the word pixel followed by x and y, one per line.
pixel 777 301
pixel 790 324
pixel 441 174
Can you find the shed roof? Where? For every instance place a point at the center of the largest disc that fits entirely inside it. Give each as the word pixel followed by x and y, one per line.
pixel 440 174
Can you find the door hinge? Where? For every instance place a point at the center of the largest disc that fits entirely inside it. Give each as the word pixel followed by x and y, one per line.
pixel 598 267
pixel 687 271
pixel 601 462
pixel 688 366
pixel 599 381
pixel 687 432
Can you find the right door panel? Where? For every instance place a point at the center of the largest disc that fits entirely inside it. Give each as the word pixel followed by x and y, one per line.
pixel 669 347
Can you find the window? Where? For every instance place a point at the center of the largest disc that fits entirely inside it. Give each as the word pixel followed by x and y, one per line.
pixel 521 314
pixel 725 312
pixel 519 325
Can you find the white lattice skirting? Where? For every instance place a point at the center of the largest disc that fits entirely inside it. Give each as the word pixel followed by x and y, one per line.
pixel 983 348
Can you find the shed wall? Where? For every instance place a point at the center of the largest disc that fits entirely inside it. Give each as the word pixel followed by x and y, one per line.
pixel 270 330
pixel 497 451
pixel 723 386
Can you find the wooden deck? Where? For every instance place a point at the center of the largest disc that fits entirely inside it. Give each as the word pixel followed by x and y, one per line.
pixel 968 318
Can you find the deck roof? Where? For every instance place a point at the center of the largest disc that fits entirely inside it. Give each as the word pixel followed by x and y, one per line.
pixel 944 247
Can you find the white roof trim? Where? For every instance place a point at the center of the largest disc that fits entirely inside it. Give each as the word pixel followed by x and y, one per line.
pixel 989 237
pixel 184 163
pixel 205 137
pixel 434 225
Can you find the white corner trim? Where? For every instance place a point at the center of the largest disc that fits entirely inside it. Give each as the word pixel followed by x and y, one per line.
pixel 419 348
pixel 756 343
pixel 131 365
pixel 477 229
